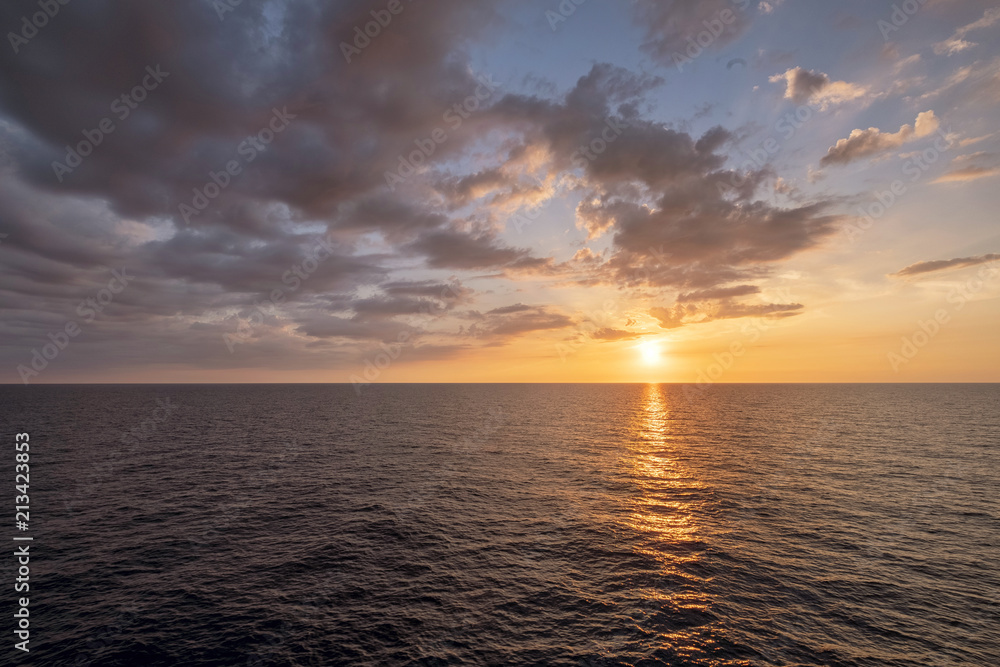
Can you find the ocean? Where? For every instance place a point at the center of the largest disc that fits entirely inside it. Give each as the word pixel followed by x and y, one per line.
pixel 509 524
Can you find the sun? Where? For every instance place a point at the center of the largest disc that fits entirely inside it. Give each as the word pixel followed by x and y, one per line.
pixel 651 352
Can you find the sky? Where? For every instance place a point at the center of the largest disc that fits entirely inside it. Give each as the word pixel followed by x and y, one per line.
pixel 499 191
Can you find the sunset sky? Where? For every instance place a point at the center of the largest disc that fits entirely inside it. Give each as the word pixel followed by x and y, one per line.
pixel 497 191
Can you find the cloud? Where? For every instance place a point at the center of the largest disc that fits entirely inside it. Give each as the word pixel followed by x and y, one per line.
pixel 769 7
pixel 808 86
pixel 865 143
pixel 513 321
pixel 452 249
pixel 683 315
pixel 941 264
pixel 719 293
pixel 653 187
pixel 321 178
pixel 220 91
pixel 610 335
pixel 339 327
pixel 711 240
pixel 669 318
pixel 975 140
pixel 957 42
pixel 516 308
pixel 967 174
pixel 971 167
pixel 672 25
pixel 426 288
pixel 659 196
pixel 735 310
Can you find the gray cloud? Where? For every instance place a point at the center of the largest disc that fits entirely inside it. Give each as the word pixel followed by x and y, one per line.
pixel 942 264
pixel 673 25
pixel 719 293
pixel 610 335
pixel 517 320
pixel 724 309
pixel 451 249
pixel 650 187
pixel 655 188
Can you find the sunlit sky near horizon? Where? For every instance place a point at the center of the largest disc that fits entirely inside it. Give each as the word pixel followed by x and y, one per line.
pixel 714 191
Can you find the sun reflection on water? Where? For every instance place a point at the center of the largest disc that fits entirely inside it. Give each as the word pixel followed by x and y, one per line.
pixel 662 510
pixel 663 507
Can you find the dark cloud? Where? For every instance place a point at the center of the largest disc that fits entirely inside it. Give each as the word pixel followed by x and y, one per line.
pixel 665 196
pixel 675 215
pixel 222 81
pixel 711 240
pixel 610 335
pixel 427 288
pixel 719 293
pixel 529 322
pixel 395 219
pixel 507 310
pixel 220 89
pixel 451 249
pixel 516 320
pixel 339 327
pixel 942 264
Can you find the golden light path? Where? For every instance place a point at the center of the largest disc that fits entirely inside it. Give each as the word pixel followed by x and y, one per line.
pixel 662 511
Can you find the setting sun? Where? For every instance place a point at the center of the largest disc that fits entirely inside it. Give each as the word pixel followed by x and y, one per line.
pixel 651 352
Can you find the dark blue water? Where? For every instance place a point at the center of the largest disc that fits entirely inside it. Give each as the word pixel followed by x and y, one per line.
pixel 510 524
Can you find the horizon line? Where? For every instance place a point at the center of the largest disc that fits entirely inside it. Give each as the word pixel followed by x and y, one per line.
pixel 350 384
